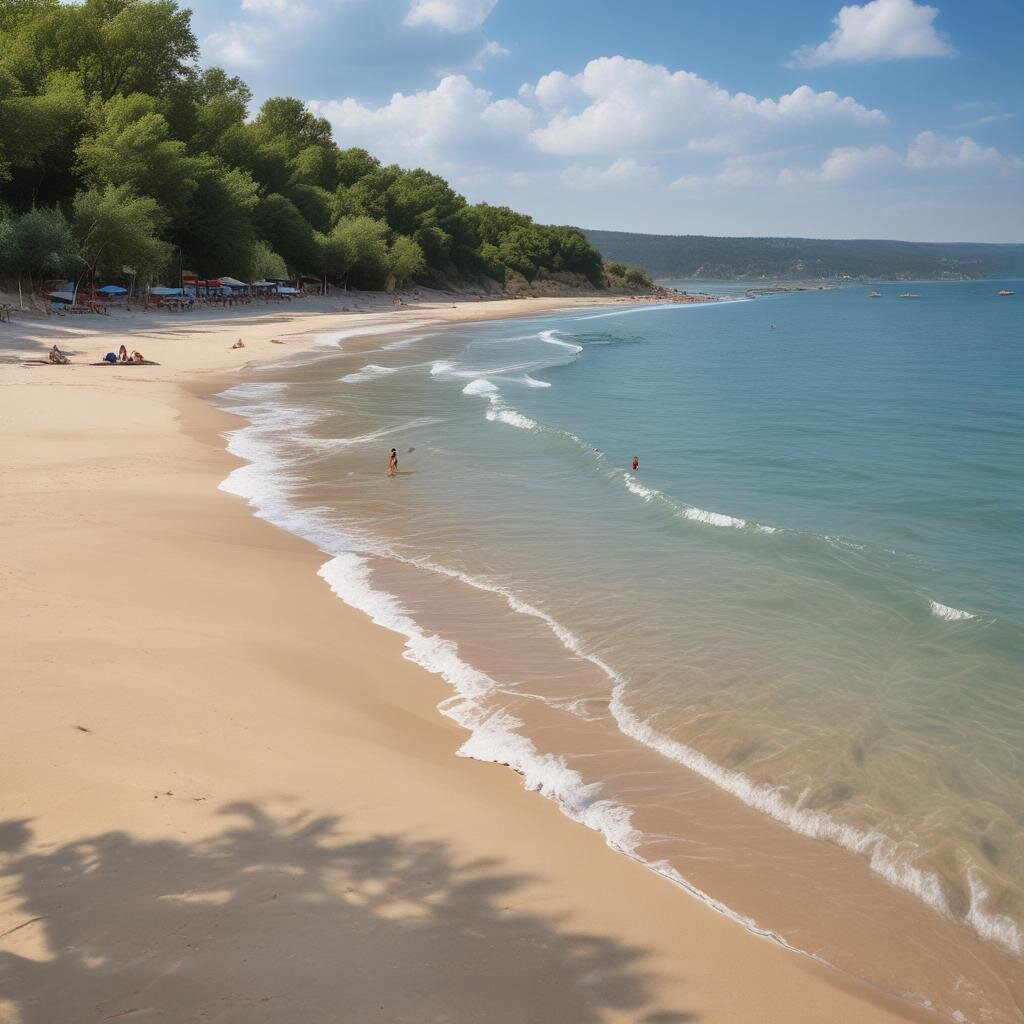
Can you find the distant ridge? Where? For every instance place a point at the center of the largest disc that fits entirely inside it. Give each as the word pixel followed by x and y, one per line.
pixel 793 259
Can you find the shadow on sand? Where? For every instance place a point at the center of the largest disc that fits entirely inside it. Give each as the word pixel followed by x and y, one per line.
pixel 292 921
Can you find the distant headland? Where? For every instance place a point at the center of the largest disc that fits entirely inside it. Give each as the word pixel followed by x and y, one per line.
pixel 705 257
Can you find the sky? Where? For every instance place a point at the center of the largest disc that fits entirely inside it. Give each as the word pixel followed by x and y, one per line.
pixel 884 119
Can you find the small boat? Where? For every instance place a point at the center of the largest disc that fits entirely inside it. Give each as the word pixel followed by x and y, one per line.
pixel 874 294
pixel 1005 291
pixel 910 295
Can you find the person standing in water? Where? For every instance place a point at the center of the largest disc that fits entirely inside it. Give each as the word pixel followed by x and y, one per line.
pixel 393 463
pixel 636 464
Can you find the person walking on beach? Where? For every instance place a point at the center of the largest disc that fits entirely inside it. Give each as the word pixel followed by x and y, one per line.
pixel 636 464
pixel 393 463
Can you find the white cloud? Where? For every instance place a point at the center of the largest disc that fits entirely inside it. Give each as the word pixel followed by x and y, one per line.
pixel 616 103
pixel 624 172
pixel 843 164
pixel 683 182
pixel 355 46
pixel 445 126
pixel 931 150
pixel 447 15
pixel 879 30
pixel 927 152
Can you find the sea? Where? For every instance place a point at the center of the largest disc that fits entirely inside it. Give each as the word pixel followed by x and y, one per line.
pixel 781 663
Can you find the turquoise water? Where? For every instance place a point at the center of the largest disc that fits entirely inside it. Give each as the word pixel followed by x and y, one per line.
pixel 809 596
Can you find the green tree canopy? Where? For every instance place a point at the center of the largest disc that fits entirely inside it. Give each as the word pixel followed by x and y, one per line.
pixel 117 229
pixel 106 116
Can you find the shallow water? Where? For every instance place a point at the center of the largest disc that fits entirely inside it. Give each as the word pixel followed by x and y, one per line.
pixel 784 662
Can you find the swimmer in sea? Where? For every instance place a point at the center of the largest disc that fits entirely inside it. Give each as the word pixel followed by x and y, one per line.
pixel 393 463
pixel 636 463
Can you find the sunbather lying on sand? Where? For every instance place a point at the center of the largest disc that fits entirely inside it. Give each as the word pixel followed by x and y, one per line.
pixel 137 357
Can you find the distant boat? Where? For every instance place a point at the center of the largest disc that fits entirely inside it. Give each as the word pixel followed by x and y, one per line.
pixel 1005 291
pixel 874 295
pixel 910 295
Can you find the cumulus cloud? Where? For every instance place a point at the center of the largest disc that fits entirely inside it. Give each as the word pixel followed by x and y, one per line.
pixel 449 15
pixel 271 42
pixel 615 103
pixel 446 126
pixel 930 150
pixel 844 163
pixel 624 172
pixel 927 151
pixel 879 30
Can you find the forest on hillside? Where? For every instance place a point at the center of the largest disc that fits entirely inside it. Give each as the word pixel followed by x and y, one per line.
pixel 751 259
pixel 119 151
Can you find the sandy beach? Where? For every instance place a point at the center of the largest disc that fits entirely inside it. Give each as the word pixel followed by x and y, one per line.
pixel 227 796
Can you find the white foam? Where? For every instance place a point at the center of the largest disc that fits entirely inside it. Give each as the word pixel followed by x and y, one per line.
pixel 512 418
pixel 373 435
pixel 998 928
pixel 638 489
pixel 532 382
pixel 549 337
pixel 369 372
pixel 691 512
pixel 480 386
pixel 653 307
pixel 333 339
pixel 943 611
pixel 700 515
pixel 264 483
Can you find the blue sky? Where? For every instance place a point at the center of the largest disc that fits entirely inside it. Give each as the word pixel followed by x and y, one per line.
pixel 884 119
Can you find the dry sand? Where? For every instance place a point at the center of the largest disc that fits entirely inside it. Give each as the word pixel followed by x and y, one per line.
pixel 227 797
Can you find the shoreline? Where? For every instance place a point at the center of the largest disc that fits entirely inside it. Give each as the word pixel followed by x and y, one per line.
pixel 164 692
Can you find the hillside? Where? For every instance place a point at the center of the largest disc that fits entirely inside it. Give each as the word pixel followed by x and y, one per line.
pixel 120 153
pixel 711 258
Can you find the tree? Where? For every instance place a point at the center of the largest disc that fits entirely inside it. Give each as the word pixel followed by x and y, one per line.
pixel 336 254
pixel 131 146
pixel 364 239
pixel 287 232
pixel 38 134
pixel 264 263
pixel 313 203
pixel 39 242
pixel 219 102
pixel 104 99
pixel 125 46
pixel 216 231
pixel 288 121
pixel 115 227
pixel 405 260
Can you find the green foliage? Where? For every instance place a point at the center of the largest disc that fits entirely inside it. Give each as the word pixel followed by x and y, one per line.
pixel 619 277
pixel 105 113
pixel 287 232
pixel 39 242
pixel 265 264
pixel 131 146
pixel 217 228
pixel 314 204
pixel 115 229
pixel 406 260
pixel 363 239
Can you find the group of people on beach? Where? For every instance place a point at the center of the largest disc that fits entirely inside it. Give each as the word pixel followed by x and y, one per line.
pixel 123 357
